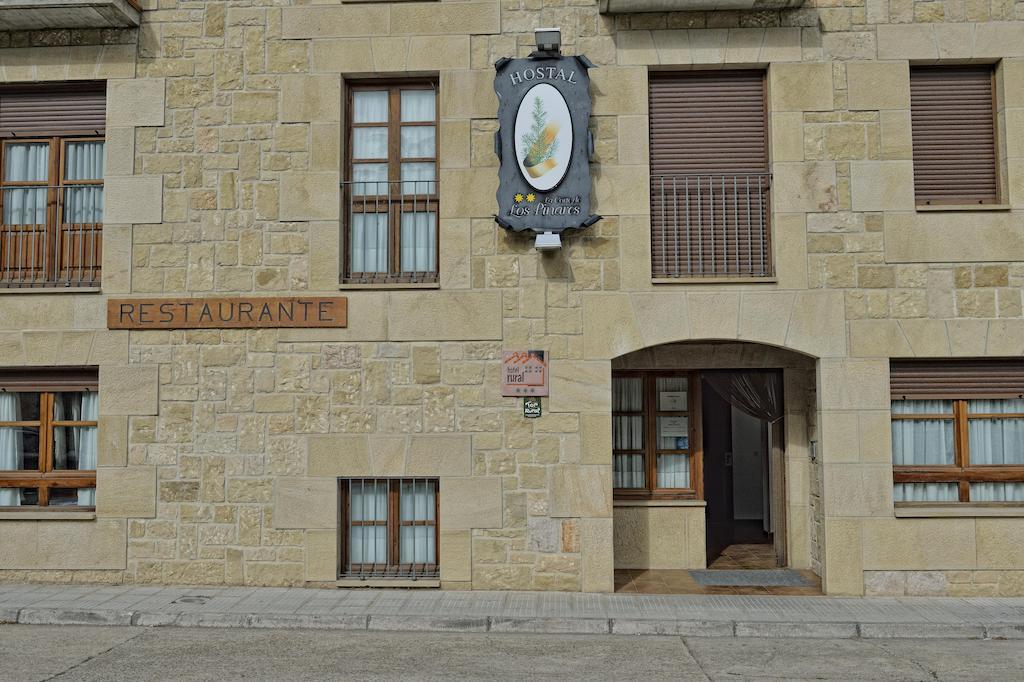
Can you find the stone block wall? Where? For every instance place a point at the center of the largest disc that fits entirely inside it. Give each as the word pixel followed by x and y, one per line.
pixel 225 145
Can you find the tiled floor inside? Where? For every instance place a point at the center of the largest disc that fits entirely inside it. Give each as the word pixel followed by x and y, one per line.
pixel 746 556
pixel 735 557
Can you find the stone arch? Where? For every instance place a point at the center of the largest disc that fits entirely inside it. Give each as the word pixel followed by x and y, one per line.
pixel 678 533
pixel 812 323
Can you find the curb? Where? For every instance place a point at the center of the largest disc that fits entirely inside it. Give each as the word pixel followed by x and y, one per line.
pixel 507 624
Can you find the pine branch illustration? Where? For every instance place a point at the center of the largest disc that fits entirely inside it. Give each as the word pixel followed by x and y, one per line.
pixel 540 144
pixel 539 116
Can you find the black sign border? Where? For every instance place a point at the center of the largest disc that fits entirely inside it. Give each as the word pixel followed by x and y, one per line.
pixel 576 180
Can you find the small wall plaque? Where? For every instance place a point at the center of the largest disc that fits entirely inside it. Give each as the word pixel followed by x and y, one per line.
pixel 531 408
pixel 524 373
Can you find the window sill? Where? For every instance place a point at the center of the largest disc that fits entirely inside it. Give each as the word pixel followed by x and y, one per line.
pixel 51 290
pixel 47 516
pixel 713 280
pixel 395 582
pixel 659 503
pixel 958 511
pixel 934 208
pixel 385 285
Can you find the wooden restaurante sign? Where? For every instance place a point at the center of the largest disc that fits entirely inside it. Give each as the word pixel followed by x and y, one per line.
pixel 220 313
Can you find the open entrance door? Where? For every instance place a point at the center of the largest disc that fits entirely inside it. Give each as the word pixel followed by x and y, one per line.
pixel 742 480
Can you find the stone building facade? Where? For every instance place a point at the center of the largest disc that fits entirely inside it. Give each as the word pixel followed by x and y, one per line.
pixel 220 450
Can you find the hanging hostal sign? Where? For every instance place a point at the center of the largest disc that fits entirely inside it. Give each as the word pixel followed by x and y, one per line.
pixel 544 143
pixel 227 313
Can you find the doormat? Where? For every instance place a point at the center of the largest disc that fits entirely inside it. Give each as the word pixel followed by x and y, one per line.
pixel 780 577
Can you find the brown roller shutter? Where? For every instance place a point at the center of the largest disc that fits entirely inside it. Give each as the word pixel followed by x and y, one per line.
pixel 956 379
pixel 49 379
pixel 48 110
pixel 954 135
pixel 709 174
pixel 708 122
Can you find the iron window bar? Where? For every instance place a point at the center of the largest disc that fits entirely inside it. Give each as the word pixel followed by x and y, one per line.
pixel 396 200
pixel 711 225
pixel 390 504
pixel 52 253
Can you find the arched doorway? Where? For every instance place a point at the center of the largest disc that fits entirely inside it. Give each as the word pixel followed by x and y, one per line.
pixel 712 469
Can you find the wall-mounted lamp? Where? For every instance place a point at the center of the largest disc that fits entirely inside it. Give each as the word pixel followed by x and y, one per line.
pixel 549 40
pixel 547 241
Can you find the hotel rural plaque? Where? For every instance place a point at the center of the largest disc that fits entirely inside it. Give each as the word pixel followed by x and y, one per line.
pixel 227 313
pixel 524 373
pixel 544 143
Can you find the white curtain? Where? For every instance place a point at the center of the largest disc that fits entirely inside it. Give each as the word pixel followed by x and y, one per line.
pixel 85 439
pixel 419 241
pixel 995 442
pixel 997 492
pixel 369 242
pixel 673 471
pixel 418 142
pixel 417 543
pixel 370 143
pixel 628 432
pixel 11 446
pixel 925 492
pixel 370 106
pixel 370 180
pixel 923 442
pixel 418 178
pixel 417 105
pixel 628 471
pixel 368 502
pixel 84 161
pixel 60 436
pixel 368 239
pixel 27 162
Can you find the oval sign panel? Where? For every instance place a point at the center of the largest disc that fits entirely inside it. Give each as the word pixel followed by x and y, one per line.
pixel 543 137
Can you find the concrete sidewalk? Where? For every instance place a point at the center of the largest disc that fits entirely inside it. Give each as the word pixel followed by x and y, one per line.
pixel 534 612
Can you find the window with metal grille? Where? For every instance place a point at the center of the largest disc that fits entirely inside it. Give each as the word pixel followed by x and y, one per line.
pixel 51 184
pixel 390 189
pixel 48 445
pixel 957 431
pixel 954 136
pixel 389 527
pixel 710 184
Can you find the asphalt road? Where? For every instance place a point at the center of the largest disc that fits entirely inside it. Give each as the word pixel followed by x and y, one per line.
pixel 117 653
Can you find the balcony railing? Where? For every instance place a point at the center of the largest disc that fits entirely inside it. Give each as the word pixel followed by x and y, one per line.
pixel 390 231
pixel 711 226
pixel 39 247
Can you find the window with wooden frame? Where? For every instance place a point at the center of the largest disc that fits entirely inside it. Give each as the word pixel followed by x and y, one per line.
pixel 655 435
pixel 390 190
pixel 958 432
pixel 48 446
pixel 953 122
pixel 51 184
pixel 389 527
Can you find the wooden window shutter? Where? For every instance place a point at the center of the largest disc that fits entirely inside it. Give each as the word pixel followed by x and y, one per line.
pixel 53 110
pixel 953 122
pixel 956 379
pixel 709 174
